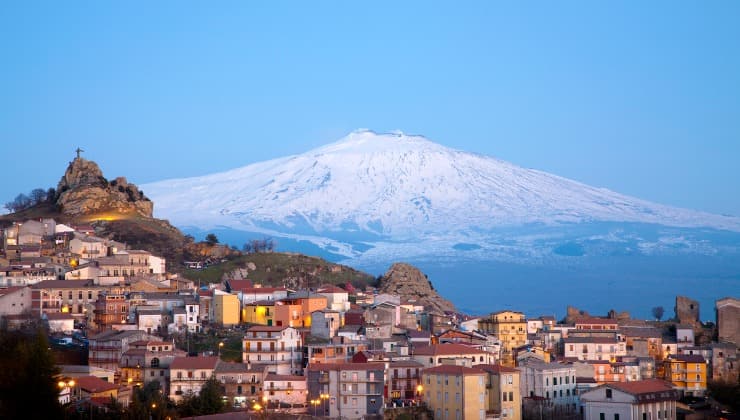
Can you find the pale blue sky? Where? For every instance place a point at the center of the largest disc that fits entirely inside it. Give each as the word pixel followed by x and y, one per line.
pixel 639 97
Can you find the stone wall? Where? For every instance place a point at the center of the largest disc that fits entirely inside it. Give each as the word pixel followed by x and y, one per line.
pixel 687 311
pixel 728 320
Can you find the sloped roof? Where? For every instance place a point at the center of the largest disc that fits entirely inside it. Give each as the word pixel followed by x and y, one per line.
pixel 445 350
pixel 194 362
pixel 453 370
pixel 94 384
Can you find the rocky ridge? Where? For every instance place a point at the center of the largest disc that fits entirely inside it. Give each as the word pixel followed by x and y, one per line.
pixel 413 286
pixel 83 190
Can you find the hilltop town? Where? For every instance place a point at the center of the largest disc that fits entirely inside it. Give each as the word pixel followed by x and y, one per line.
pixel 131 333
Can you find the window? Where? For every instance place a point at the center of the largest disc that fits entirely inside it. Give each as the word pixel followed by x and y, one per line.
pixel 179 375
pixel 616 416
pixel 554 381
pixel 608 393
pixel 503 396
pixel 511 396
pixel 602 416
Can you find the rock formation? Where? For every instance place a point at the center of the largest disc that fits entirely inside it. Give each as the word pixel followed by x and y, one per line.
pixel 413 286
pixel 83 190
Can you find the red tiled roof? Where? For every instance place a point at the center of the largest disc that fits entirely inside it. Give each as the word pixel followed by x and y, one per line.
pixel 345 366
pixel 10 290
pixel 63 284
pixel 496 368
pixel 287 378
pixel 642 387
pixel 238 285
pixel 593 321
pixel 445 349
pixel 194 363
pixel 94 384
pixel 331 289
pixel 597 340
pixel 452 370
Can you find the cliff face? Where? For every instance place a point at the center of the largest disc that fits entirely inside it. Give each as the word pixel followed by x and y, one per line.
pixel 412 285
pixel 83 190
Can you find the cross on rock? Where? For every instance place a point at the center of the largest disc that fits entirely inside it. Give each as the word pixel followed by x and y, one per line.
pixel 78 152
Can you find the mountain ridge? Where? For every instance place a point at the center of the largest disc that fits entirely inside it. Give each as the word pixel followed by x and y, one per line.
pixel 388 184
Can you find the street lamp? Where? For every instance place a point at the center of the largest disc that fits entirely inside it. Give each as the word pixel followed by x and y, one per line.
pixel 66 387
pixel 323 397
pixel 419 390
pixel 220 346
pixel 315 404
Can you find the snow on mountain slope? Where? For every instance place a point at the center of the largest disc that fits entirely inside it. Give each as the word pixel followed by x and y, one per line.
pixel 399 187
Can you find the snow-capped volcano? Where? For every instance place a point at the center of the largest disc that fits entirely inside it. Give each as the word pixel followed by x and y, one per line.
pixel 477 225
pixel 399 187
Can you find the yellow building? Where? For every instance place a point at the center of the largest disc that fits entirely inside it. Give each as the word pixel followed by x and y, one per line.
pixel 455 392
pixel 510 327
pixel 687 372
pixel 503 397
pixel 225 308
pixel 261 312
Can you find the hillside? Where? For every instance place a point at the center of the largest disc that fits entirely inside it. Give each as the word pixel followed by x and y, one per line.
pixel 117 210
pixel 283 269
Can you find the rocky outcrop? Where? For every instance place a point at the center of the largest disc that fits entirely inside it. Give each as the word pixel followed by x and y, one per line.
pixel 413 286
pixel 83 190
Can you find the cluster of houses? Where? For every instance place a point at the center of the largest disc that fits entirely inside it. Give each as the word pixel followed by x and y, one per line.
pixel 344 353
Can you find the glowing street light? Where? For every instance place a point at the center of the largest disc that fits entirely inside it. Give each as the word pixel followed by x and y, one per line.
pixel 220 346
pixel 315 404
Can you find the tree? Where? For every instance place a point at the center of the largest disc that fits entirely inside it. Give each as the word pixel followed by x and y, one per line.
pixel 658 312
pixel 21 202
pixel 211 401
pixel 208 401
pixel 51 194
pixel 38 196
pixel 28 376
pixel 211 239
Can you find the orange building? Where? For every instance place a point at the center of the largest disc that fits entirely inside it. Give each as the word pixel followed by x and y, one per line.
pixel 295 311
pixel 687 372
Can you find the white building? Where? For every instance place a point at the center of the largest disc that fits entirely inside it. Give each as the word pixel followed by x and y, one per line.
pixel 15 300
pixel 594 348
pixel 149 319
pixel 648 399
pixel 337 299
pixel 189 374
pixel 325 323
pixel 290 389
pixel 553 381
pixel 277 348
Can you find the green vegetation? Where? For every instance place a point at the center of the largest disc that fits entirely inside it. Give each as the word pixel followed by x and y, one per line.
pixel 725 393
pixel 208 401
pixel 278 269
pixel 28 376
